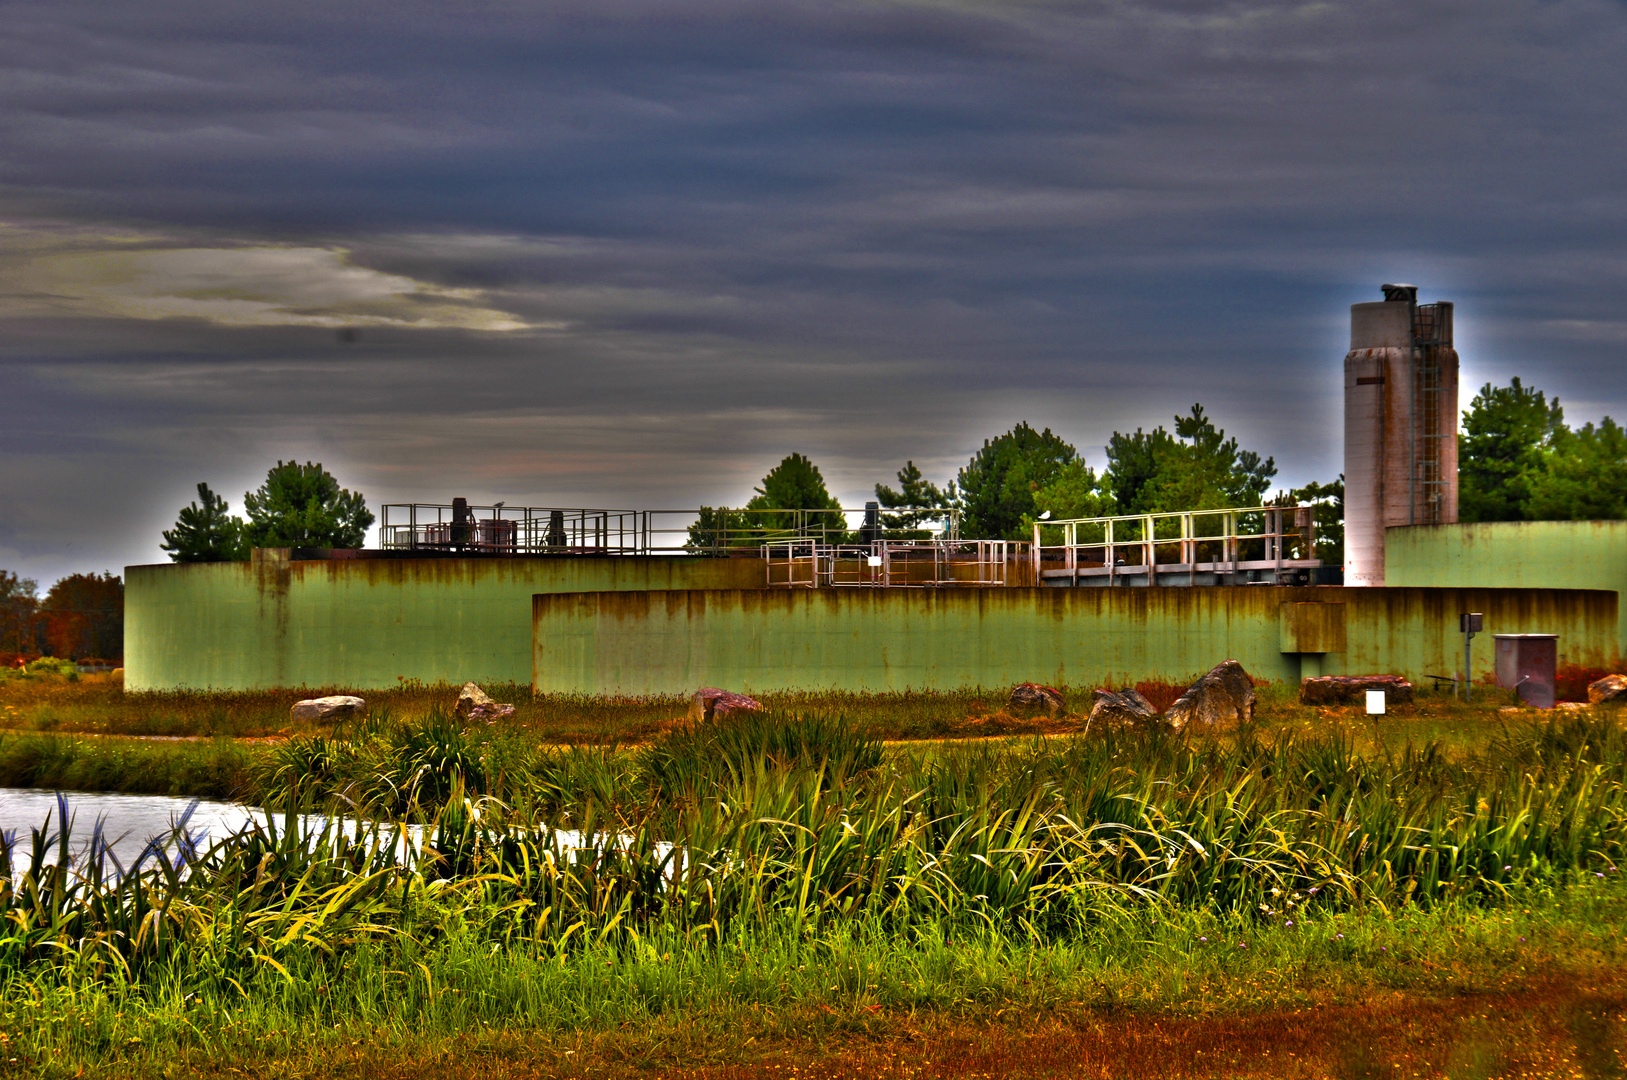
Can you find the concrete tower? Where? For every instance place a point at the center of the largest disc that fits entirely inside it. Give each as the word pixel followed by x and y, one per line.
pixel 1401 410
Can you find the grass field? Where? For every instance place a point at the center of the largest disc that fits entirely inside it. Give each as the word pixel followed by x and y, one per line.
pixel 1433 893
pixel 98 705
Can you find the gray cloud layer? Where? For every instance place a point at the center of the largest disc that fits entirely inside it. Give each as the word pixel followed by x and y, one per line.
pixel 633 253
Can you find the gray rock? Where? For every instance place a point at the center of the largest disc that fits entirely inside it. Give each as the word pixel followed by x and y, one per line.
pixel 337 707
pixel 474 704
pixel 1226 693
pixel 1125 707
pixel 1029 696
pixel 470 698
pixel 710 703
pixel 1611 688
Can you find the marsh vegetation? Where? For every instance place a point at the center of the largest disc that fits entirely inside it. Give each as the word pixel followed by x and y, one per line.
pixel 790 878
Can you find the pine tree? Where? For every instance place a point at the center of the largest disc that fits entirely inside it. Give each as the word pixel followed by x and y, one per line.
pixel 997 486
pixel 917 499
pixel 304 506
pixel 205 533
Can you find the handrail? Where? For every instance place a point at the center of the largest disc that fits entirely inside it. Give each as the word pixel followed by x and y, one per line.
pixel 893 564
pixel 1234 539
pixel 497 528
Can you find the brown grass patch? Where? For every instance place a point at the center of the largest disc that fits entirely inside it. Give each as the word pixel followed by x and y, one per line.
pixel 1557 1027
pixel 1161 694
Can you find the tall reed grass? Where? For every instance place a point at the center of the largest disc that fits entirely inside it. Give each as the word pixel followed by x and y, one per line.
pixel 727 840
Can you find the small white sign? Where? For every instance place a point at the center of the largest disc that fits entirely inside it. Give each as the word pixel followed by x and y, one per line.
pixel 875 560
pixel 1375 703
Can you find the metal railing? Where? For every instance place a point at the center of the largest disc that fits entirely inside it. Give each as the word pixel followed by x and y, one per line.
pixel 1220 544
pixel 500 529
pixel 893 564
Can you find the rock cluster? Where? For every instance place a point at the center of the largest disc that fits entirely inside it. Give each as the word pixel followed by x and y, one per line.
pixel 710 703
pixel 1611 688
pixel 1030 697
pixel 474 704
pixel 337 707
pixel 1352 689
pixel 1125 707
pixel 1225 693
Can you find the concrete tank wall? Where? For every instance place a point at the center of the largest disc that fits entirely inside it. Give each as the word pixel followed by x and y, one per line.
pixel 1524 554
pixel 877 639
pixel 363 623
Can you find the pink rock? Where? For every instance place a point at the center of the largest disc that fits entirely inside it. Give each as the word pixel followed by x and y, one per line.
pixel 710 703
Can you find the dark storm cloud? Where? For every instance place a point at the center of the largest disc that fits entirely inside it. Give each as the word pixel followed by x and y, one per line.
pixel 634 253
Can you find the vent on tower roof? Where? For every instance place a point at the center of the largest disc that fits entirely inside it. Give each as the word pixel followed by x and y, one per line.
pixel 1405 293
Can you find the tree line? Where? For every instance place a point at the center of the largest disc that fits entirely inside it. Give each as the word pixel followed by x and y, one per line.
pixel 297 506
pixel 1518 461
pixel 1026 476
pixel 80 618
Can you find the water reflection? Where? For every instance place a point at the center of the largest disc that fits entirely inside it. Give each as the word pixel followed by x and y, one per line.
pixel 131 822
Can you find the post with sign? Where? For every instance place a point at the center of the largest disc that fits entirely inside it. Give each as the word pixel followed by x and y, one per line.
pixel 1470 623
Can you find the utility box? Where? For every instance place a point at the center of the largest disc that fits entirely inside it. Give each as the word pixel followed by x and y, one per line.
pixel 1525 664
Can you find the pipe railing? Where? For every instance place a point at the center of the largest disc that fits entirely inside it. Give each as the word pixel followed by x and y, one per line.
pixel 497 528
pixel 1212 542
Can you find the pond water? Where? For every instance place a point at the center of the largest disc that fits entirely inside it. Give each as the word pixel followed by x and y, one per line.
pixel 131 821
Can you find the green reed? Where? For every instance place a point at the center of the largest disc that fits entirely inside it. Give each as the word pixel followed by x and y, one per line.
pixel 721 851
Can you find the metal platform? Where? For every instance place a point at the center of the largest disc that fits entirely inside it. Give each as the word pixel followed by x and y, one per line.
pixel 1241 546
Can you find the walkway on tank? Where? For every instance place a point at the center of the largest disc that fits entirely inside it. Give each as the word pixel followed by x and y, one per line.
pixel 1272 545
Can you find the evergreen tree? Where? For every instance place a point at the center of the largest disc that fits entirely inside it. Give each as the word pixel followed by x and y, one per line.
pixel 205 533
pixel 1197 468
pixel 998 485
pixel 1508 432
pixel 796 485
pixel 1133 462
pixel 917 501
pixel 1077 492
pixel 1584 475
pixel 1327 503
pixel 304 506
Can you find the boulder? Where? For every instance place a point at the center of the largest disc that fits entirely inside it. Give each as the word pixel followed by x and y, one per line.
pixel 1225 693
pixel 337 707
pixel 1611 688
pixel 470 698
pixel 1125 707
pixel 1032 696
pixel 474 704
pixel 710 703
pixel 1352 689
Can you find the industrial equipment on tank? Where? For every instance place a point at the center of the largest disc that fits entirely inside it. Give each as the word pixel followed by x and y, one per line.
pixel 1401 408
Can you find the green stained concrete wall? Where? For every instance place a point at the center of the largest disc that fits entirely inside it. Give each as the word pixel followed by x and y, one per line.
pixel 881 639
pixel 1522 554
pixel 364 623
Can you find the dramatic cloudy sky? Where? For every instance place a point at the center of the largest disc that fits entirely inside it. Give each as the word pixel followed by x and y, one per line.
pixel 632 253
